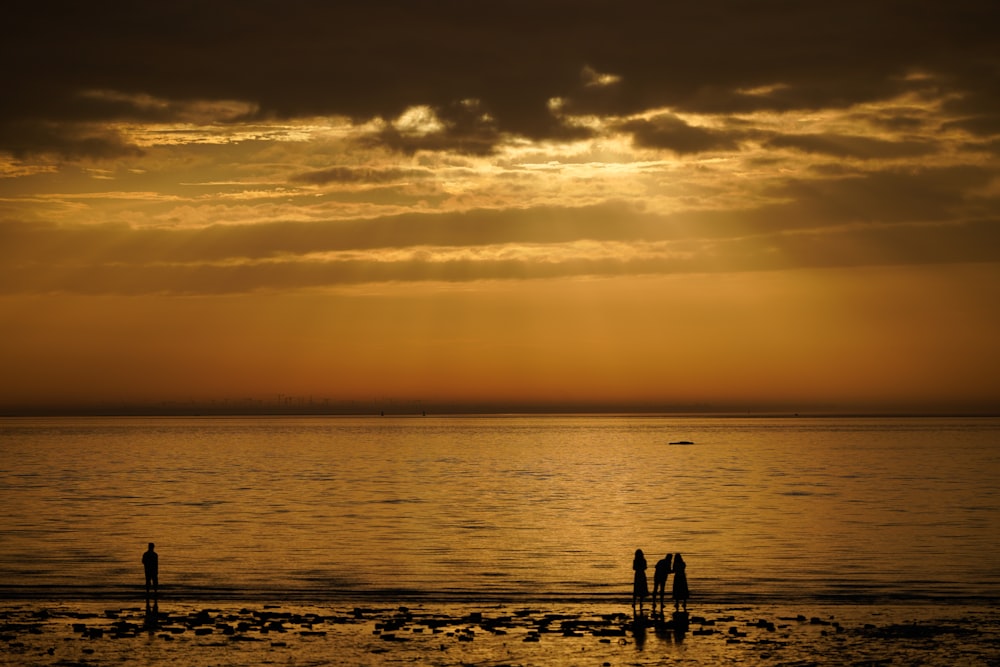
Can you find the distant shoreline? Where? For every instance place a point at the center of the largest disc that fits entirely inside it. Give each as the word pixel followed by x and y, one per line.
pixel 479 411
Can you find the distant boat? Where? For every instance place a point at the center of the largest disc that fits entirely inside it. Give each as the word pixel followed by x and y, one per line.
pixel 682 442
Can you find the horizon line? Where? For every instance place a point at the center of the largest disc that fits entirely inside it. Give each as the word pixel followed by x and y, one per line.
pixel 459 409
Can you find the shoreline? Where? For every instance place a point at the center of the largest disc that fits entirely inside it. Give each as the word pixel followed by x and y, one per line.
pixel 364 631
pixel 125 593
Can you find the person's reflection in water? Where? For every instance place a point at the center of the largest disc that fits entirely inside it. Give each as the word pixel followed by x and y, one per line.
pixel 152 620
pixel 640 586
pixel 680 629
pixel 639 630
pixel 662 628
pixel 151 564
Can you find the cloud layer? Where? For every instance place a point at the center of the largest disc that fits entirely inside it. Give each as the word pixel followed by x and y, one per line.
pixel 539 200
pixel 364 60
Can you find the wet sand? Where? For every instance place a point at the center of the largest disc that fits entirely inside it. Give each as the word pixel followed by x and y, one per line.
pixel 182 633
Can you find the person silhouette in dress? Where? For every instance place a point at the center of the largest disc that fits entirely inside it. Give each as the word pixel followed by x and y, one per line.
pixel 151 564
pixel 640 586
pixel 660 574
pixel 680 590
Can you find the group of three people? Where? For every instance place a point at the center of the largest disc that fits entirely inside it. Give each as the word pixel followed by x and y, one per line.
pixel 670 564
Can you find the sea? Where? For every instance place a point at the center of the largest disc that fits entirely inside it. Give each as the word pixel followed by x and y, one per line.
pixel 502 507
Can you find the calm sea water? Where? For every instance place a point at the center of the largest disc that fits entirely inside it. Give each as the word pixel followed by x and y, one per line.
pixel 548 506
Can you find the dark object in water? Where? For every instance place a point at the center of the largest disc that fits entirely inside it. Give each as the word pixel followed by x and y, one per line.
pixel 682 442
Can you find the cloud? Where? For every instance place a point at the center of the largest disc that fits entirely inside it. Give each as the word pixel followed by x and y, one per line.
pixel 935 195
pixel 848 146
pixel 41 244
pixel 114 105
pixel 670 132
pixel 445 140
pixel 359 175
pixel 376 60
pixel 938 215
pixel 28 138
pixel 980 126
pixel 871 246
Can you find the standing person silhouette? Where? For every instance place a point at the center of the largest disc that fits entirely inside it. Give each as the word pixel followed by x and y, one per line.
pixel 680 591
pixel 660 575
pixel 640 587
pixel 151 564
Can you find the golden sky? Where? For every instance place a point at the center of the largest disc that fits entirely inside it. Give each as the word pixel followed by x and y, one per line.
pixel 546 204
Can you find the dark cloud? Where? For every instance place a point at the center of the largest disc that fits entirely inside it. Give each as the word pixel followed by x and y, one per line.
pixel 847 146
pixel 670 132
pixel 50 244
pixel 25 137
pixel 358 175
pixel 991 146
pixel 901 122
pixel 867 246
pixel 936 195
pixel 981 126
pixel 375 59
pixel 969 242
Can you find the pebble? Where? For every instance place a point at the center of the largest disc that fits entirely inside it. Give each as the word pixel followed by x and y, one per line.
pixel 404 624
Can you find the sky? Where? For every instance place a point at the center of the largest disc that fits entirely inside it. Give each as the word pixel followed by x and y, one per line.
pixel 627 205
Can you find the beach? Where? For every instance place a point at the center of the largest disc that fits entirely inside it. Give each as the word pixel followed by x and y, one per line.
pixel 369 633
